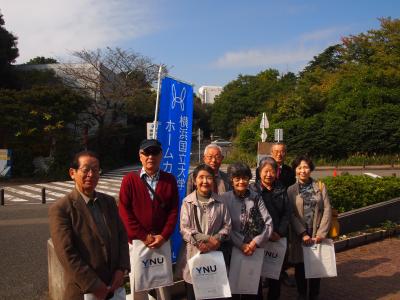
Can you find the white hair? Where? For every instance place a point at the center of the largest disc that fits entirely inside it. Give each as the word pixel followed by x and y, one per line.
pixel 209 146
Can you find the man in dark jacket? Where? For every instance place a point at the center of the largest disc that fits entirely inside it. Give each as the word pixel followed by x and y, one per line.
pixel 88 236
pixel 284 173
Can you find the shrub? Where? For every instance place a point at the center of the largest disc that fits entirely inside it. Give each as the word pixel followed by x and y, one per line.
pixel 349 192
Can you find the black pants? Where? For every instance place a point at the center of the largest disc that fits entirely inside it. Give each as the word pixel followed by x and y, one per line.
pixel 274 289
pixel 301 282
pixel 259 295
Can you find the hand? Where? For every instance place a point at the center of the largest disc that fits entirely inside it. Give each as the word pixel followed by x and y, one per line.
pixel 101 292
pixel 118 280
pixel 274 236
pixel 203 247
pixel 157 242
pixel 149 239
pixel 307 240
pixel 213 243
pixel 317 240
pixel 248 249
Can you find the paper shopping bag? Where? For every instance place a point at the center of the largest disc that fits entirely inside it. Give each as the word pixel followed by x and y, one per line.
pixel 209 276
pixel 245 271
pixel 320 260
pixel 151 268
pixel 273 258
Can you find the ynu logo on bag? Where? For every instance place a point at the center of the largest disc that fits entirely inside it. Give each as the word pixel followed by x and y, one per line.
pixel 150 262
pixel 271 254
pixel 205 270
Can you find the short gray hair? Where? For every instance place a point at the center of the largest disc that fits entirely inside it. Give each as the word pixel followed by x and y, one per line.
pixel 215 146
pixel 268 160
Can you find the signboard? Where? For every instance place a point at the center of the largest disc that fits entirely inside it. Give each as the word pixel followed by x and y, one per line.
pixel 5 162
pixel 278 135
pixel 175 134
pixel 150 129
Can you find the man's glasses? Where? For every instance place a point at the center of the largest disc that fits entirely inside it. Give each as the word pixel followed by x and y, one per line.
pixel 216 157
pixel 86 169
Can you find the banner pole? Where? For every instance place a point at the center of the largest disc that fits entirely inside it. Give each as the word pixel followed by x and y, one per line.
pixel 157 100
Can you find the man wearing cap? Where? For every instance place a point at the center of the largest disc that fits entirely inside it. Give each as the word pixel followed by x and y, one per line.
pixel 212 157
pixel 148 203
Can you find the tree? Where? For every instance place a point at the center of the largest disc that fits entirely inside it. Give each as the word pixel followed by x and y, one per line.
pixel 8 52
pixel 40 60
pixel 119 84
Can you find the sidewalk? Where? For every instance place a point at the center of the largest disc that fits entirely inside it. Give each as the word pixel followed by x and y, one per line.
pixel 364 273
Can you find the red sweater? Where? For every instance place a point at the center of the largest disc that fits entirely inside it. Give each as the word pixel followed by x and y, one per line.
pixel 141 215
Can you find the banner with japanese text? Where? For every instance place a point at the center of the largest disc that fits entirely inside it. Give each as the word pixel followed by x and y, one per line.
pixel 175 134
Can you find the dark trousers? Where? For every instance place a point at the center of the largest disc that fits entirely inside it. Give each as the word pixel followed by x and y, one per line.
pixel 301 282
pixel 259 295
pixel 274 289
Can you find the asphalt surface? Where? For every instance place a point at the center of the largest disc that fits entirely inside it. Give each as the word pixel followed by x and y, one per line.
pixel 24 232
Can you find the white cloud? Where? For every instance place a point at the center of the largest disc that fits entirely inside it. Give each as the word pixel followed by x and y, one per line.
pixel 56 27
pixel 265 57
pixel 322 35
pixel 295 53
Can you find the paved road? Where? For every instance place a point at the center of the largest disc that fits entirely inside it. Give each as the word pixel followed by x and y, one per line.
pixel 109 183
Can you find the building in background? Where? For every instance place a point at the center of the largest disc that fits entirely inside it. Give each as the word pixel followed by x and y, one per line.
pixel 208 93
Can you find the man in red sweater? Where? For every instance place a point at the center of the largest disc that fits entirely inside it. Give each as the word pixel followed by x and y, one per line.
pixel 148 203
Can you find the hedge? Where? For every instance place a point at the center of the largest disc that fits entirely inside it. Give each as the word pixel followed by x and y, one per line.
pixel 348 192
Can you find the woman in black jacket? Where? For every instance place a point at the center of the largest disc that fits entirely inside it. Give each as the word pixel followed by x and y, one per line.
pixel 276 200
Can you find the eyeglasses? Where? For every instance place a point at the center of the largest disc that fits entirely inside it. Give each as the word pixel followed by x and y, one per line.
pixel 238 179
pixel 86 169
pixel 216 157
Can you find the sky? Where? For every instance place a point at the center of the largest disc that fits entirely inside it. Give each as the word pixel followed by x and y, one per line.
pixel 207 42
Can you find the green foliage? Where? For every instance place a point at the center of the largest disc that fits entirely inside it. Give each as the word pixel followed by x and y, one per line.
pixel 349 192
pixel 244 97
pixel 8 52
pixel 346 101
pixel 246 157
pixel 39 60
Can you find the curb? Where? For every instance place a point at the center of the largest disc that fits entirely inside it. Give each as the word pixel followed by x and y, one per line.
pixel 365 238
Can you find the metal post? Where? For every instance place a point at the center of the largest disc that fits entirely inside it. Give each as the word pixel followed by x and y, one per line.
pixel 199 139
pixel 43 196
pixel 2 197
pixel 157 100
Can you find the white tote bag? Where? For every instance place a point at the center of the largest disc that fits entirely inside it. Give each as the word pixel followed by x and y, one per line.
pixel 151 268
pixel 320 260
pixel 273 258
pixel 209 276
pixel 245 271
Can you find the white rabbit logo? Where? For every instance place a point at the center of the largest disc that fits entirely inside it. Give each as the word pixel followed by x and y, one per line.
pixel 178 99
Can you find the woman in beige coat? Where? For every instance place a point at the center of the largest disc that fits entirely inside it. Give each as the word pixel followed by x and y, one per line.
pixel 205 222
pixel 310 222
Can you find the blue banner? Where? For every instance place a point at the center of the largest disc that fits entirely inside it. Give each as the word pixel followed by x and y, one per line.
pixel 175 134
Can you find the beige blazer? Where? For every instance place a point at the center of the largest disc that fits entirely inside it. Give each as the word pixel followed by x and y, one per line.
pixel 80 247
pixel 321 222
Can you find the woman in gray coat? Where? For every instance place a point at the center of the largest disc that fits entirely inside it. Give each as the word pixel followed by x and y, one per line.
pixel 204 222
pixel 310 223
pixel 251 222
